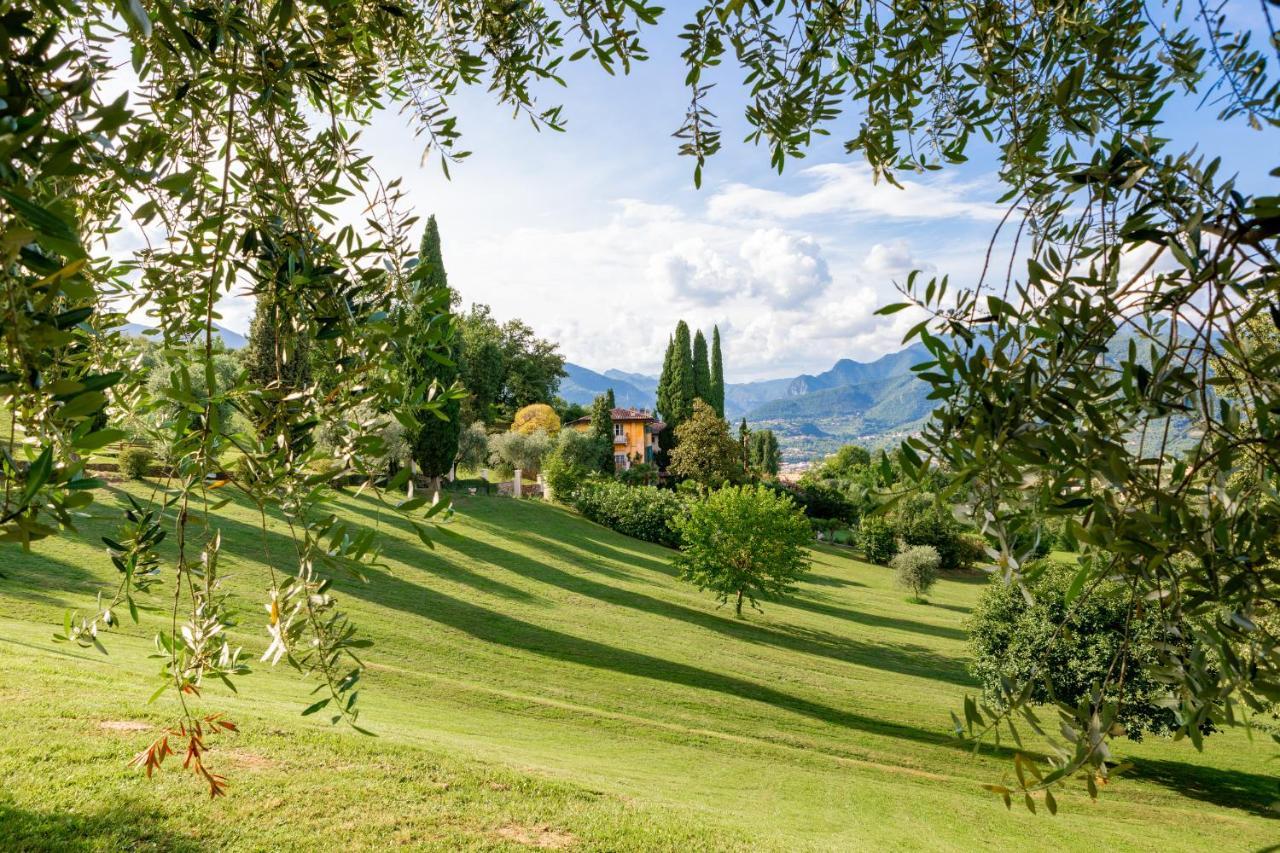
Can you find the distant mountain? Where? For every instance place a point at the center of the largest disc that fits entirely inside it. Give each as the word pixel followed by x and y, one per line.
pixel 581 386
pixel 867 402
pixel 648 384
pixel 230 339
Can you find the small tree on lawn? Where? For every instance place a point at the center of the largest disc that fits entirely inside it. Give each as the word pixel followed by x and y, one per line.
pixel 917 569
pixel 705 452
pixel 743 542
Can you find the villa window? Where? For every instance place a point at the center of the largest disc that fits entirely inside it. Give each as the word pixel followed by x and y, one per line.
pixel 617 430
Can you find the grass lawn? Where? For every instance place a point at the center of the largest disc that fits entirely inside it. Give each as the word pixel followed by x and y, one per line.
pixel 540 681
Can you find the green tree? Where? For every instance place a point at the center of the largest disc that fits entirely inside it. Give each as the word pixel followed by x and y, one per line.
pixel 504 367
pixel 917 569
pixel 602 431
pixel 702 371
pixel 717 373
pixel 277 355
pixel 705 452
pixel 666 404
pixel 766 457
pixel 434 442
pixel 743 542
pixel 683 390
pixel 1012 642
pixel 473 446
pixel 744 444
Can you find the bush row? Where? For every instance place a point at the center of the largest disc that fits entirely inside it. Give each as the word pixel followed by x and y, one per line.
pixel 645 512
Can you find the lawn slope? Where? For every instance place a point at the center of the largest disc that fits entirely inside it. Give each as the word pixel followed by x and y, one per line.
pixel 540 681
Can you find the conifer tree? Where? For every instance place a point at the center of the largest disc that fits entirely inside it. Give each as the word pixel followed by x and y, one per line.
pixel 744 441
pixel 435 444
pixel 701 371
pixel 665 402
pixel 602 429
pixel 717 373
pixel 682 382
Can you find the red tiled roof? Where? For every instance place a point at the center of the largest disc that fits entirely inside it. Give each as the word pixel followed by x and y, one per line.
pixel 628 415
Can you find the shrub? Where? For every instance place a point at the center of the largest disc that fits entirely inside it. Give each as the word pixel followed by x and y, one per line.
pixel 743 542
pixel 134 461
pixel 921 520
pixel 639 474
pixel 917 569
pixel 1023 643
pixel 819 500
pixel 877 539
pixel 568 465
pixel 644 512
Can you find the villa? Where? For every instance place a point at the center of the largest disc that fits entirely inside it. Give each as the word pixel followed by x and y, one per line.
pixel 635 435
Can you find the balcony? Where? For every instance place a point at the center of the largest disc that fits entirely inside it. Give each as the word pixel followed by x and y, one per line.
pixel 619 438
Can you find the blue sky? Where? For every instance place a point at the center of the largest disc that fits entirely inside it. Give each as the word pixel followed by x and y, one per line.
pixel 597 238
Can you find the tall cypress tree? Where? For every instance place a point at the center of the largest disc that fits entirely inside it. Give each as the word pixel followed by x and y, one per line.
pixel 602 429
pixel 664 381
pixel 435 444
pixel 701 370
pixel 682 382
pixel 717 373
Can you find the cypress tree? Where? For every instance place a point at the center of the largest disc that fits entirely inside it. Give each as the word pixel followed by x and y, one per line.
pixel 602 429
pixel 701 370
pixel 664 381
pixel 435 444
pixel 744 439
pixel 717 373
pixel 682 387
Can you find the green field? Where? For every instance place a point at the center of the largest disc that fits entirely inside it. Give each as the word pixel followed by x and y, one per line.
pixel 540 681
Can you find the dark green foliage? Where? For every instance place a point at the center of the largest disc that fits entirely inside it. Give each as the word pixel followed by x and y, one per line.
pixel 134 461
pixel 705 452
pixel 717 373
pixel 917 569
pixel 278 354
pixel 638 474
pixel 845 464
pixel 744 542
pixel 1011 639
pixel 921 520
pixel 877 539
pixel 701 371
pixel 434 444
pixel 680 380
pixel 602 431
pixel 666 405
pixel 765 455
pixel 504 367
pixel 644 512
pixel 819 500
pixel 572 461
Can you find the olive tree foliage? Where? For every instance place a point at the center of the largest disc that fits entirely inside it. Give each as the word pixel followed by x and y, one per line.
pixel 234 158
pixel 1121 273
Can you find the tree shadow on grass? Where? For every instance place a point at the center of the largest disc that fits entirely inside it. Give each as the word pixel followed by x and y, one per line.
pixel 120 826
pixel 500 629
pixel 1233 789
pixel 875 620
pixel 243 540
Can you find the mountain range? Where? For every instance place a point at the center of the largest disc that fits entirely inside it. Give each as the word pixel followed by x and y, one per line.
pixel 230 339
pixel 871 403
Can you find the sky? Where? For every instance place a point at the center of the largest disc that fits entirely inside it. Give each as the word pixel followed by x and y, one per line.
pixel 597 238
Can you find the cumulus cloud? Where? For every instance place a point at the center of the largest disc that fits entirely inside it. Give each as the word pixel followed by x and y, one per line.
pixel 694 271
pixel 787 270
pixel 850 189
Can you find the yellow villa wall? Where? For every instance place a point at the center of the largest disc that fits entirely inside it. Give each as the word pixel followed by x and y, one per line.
pixel 635 434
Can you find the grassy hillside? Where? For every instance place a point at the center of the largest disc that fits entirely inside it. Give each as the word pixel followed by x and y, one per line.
pixel 540 681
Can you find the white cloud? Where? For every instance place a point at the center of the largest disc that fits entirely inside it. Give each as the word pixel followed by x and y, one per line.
pixel 786 270
pixel 694 271
pixel 850 190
